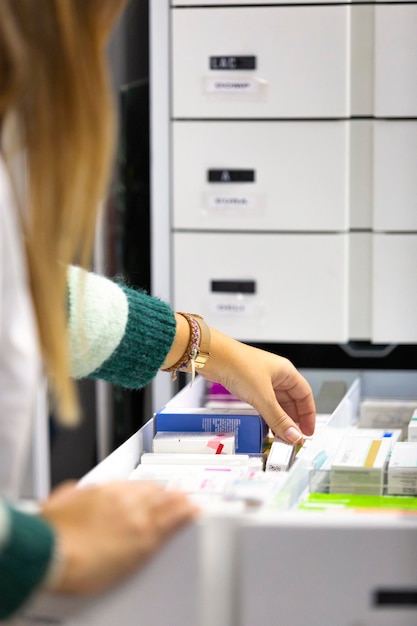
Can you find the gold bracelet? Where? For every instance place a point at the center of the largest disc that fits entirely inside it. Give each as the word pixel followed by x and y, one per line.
pixel 203 354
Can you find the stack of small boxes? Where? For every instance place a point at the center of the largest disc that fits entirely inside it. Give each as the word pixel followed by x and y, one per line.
pixel 193 451
pixel 374 459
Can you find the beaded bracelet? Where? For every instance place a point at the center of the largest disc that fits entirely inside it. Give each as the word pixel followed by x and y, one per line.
pixel 191 351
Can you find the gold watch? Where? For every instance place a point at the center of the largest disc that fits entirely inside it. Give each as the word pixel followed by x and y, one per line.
pixel 203 352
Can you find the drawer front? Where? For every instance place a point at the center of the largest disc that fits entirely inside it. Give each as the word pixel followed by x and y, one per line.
pixel 261 175
pixel 260 62
pixel 394 293
pixel 395 178
pixel 396 60
pixel 265 287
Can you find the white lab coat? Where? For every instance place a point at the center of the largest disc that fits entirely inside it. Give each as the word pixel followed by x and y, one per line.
pixel 20 361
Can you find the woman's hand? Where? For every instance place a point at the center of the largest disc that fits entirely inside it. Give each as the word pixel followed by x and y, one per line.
pixel 269 383
pixel 107 531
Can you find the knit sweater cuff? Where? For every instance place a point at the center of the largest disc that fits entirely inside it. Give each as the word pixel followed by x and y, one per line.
pixel 149 334
pixel 116 333
pixel 25 555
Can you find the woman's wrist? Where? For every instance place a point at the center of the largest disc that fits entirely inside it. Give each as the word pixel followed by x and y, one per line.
pixel 197 351
pixel 220 365
pixel 180 343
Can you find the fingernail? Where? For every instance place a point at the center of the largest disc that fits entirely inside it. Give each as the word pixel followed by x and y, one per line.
pixel 292 435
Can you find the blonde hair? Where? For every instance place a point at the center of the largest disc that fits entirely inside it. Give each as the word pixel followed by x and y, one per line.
pixel 54 78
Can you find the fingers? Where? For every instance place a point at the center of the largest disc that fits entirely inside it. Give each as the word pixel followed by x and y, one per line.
pixel 301 409
pixel 284 427
pixel 282 424
pixel 296 401
pixel 145 510
pixel 304 414
pixel 171 512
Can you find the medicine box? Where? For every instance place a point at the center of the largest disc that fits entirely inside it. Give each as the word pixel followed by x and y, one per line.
pixel 280 457
pixel 386 413
pixel 391 434
pixel 359 465
pixel 412 427
pixel 193 479
pixel 197 443
pixel 402 469
pixel 218 397
pixel 175 458
pixel 246 424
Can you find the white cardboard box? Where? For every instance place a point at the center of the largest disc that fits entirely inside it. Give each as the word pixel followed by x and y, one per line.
pixel 359 465
pixel 402 469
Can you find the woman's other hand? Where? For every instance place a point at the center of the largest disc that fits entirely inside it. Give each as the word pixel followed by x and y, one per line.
pixel 106 531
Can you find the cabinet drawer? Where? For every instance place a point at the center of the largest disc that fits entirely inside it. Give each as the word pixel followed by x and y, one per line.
pixel 395 179
pixel 261 175
pixel 396 60
pixel 260 62
pixel 394 293
pixel 267 287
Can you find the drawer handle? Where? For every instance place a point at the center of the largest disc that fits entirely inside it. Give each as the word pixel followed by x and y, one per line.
pixel 230 176
pixel 232 63
pixel 233 286
pixel 395 597
pixel 364 350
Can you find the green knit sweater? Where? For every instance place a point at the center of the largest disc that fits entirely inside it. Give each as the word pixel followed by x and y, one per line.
pixel 120 335
pixel 116 333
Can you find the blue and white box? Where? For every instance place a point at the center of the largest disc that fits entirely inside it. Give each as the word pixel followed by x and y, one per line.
pixel 186 413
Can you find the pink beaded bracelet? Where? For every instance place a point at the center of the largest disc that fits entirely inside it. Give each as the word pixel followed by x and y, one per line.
pixel 191 351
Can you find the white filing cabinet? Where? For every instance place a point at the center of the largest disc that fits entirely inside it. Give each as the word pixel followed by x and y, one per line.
pixel 292 149
pixel 240 566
